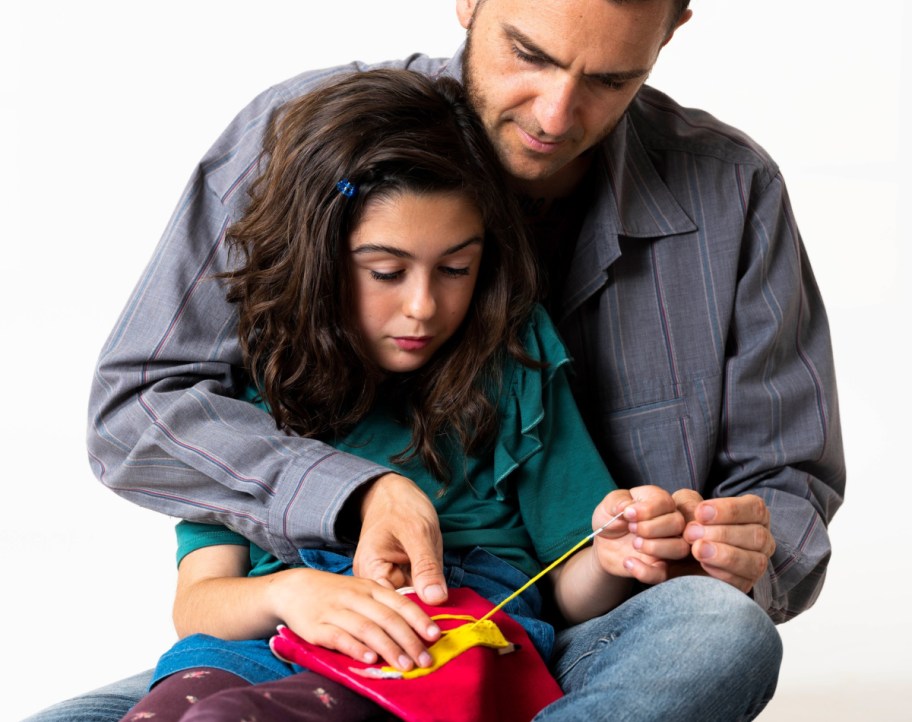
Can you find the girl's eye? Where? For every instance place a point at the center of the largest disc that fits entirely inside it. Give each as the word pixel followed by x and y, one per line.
pixel 381 276
pixel 454 272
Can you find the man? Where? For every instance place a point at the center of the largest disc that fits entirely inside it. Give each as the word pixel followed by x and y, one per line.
pixel 679 282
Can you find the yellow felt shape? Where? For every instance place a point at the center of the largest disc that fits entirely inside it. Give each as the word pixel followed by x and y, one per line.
pixel 454 642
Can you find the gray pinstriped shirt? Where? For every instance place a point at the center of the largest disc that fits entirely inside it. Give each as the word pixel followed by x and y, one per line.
pixel 700 343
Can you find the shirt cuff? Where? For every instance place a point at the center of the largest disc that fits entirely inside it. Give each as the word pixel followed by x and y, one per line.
pixel 310 498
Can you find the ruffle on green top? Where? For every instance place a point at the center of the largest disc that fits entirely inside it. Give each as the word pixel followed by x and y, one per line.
pixel 522 406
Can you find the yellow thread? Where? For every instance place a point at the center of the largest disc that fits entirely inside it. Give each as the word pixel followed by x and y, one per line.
pixel 575 548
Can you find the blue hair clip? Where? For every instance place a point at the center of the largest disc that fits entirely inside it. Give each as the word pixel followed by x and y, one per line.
pixel 346 188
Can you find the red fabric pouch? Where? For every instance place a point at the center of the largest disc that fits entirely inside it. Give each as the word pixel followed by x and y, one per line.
pixel 479 685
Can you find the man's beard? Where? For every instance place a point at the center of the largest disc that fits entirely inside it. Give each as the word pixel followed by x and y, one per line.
pixel 476 99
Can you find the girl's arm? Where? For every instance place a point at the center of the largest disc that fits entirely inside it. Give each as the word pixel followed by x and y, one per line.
pixel 357 617
pixel 599 577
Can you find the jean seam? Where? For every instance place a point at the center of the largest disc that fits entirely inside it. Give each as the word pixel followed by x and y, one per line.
pixel 594 649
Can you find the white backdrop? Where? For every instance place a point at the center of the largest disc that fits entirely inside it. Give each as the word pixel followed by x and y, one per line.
pixel 107 106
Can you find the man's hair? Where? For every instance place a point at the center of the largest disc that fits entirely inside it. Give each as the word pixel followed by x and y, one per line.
pixel 679 6
pixel 386 132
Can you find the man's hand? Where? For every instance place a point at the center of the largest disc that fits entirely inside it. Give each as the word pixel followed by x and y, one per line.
pixel 729 537
pixel 400 542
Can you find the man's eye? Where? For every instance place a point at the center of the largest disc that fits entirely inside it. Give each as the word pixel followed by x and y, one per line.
pixel 612 84
pixel 526 57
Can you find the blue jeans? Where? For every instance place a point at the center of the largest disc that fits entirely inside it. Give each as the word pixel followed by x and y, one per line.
pixel 689 649
pixel 692 648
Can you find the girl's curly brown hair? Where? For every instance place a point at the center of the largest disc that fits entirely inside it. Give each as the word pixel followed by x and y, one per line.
pixel 387 132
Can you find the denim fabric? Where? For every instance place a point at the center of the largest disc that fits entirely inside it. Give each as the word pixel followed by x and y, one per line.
pixel 105 704
pixel 249 659
pixel 691 649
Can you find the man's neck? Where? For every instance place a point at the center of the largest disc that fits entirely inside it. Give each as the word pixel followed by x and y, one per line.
pixel 537 196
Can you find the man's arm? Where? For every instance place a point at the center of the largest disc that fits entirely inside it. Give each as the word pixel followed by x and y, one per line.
pixel 166 430
pixel 780 436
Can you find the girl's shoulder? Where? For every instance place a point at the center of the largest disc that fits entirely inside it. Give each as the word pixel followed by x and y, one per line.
pixel 524 400
pixel 543 343
pixel 544 347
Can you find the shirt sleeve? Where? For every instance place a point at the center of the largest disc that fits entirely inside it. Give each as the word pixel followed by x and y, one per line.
pixel 166 430
pixel 192 536
pixel 780 432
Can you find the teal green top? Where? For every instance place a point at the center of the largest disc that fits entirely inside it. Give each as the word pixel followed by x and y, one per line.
pixel 527 501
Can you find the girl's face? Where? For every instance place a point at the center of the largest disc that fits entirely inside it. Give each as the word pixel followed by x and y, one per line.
pixel 414 260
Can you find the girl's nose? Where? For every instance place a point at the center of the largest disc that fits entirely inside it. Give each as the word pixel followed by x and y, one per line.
pixel 419 302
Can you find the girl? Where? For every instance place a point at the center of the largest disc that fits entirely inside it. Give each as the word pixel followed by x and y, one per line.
pixel 386 305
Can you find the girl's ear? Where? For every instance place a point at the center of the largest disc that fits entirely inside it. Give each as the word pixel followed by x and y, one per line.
pixel 465 11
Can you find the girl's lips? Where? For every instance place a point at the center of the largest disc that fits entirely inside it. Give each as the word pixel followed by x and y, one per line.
pixel 412 343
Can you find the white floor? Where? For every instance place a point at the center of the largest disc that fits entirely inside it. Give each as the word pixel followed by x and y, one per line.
pixel 842 703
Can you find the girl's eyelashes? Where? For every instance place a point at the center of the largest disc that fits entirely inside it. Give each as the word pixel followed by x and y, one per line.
pixel 385 276
pixel 450 271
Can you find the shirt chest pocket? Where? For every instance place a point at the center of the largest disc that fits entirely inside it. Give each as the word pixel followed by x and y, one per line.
pixel 668 442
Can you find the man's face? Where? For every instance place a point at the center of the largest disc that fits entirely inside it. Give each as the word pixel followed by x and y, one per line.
pixel 552 78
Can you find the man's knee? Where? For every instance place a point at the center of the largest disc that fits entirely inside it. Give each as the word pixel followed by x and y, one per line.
pixel 691 648
pixel 723 625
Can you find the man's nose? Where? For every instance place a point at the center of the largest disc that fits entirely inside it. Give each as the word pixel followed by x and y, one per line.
pixel 556 105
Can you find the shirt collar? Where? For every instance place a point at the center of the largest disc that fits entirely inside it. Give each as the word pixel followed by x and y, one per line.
pixel 633 200
pixel 452 68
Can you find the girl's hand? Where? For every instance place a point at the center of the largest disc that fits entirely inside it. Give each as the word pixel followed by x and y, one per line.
pixel 636 545
pixel 639 543
pixel 357 617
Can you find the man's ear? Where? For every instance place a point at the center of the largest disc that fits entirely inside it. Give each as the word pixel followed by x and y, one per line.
pixel 465 11
pixel 685 16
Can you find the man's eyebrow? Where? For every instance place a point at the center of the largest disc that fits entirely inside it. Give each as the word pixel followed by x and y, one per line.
pixel 532 48
pixel 401 253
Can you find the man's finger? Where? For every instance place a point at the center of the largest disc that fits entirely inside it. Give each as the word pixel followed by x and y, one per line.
pixel 426 563
pixel 730 564
pixel 750 537
pixel 687 501
pixel 748 509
